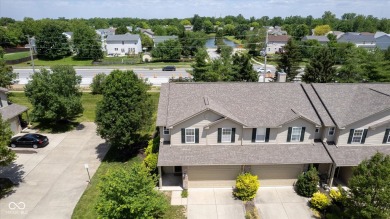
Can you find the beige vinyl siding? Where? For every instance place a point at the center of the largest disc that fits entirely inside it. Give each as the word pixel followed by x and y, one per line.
pixel 328 137
pixel 198 121
pixel 212 176
pixel 212 137
pixel 319 134
pixel 15 125
pixel 277 175
pixel 247 136
pixel 374 137
pixel 323 168
pixel 309 131
pixel 3 98
pixel 164 137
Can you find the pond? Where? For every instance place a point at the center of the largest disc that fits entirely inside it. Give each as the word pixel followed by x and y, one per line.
pixel 210 43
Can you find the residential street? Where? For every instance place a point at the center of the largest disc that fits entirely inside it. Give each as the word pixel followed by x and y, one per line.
pixel 52 179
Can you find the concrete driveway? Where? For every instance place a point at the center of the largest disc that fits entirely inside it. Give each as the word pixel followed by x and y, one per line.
pixel 52 179
pixel 213 204
pixel 281 203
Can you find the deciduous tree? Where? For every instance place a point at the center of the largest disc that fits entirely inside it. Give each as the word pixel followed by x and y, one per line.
pixel 321 67
pixel 289 60
pixel 86 43
pixel 321 30
pixel 51 43
pixel 6 155
pixel 121 30
pixel 167 50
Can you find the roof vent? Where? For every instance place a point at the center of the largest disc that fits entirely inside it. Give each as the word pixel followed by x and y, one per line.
pixel 206 100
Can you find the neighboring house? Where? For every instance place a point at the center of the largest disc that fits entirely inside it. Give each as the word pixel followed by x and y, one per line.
pixel 123 44
pixel 106 32
pixel 276 43
pixel 338 34
pixel 160 39
pixel 360 40
pixel 11 112
pixel 147 32
pixel 211 132
pixel 321 39
pixel 276 31
pixel 383 42
pixel 68 35
pixel 188 27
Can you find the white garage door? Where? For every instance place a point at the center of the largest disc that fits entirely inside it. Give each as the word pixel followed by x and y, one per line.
pixel 277 175
pixel 213 176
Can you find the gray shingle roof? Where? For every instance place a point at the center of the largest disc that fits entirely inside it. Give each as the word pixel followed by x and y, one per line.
pixel 197 155
pixel 353 38
pixel 123 37
pixel 318 38
pixel 353 155
pixel 160 39
pixel 252 104
pixel 4 90
pixel 349 103
pixel 11 111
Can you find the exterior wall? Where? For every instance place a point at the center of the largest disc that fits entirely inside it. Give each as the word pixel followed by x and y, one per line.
pixel 164 137
pixel 326 137
pixel 3 98
pixel 383 42
pixel 345 173
pixel 212 133
pixel 15 125
pixel 198 121
pixel 127 46
pixel 374 137
pixel 309 131
pixel 273 48
pixel 323 168
pixel 318 135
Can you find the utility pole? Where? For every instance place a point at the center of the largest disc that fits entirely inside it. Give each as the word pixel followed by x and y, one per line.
pixel 31 53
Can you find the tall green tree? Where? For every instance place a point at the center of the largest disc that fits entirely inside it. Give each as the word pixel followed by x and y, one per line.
pixel 7 76
pixel 288 61
pixel 208 26
pixel 167 50
pixel 201 65
pixel 243 68
pixel 86 43
pixel 51 43
pixel 321 67
pixel 147 42
pixel 192 41
pixel 130 194
pixel 6 155
pixel 255 41
pixel 369 186
pixel 121 30
pixel 125 109
pixel 197 21
pixel 55 95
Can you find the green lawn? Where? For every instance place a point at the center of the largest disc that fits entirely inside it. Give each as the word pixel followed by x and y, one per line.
pixel 16 55
pixel 64 61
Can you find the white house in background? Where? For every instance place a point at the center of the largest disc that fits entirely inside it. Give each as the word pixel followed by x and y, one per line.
pixel 123 44
pixel 276 43
pixel 188 27
pixel 147 32
pixel 11 112
pixel 68 35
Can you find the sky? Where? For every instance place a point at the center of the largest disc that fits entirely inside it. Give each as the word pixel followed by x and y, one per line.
pixel 37 9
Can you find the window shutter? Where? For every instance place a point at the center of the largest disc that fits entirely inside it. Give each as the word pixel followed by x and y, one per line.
pixel 196 135
pixel 267 130
pixel 254 130
pixel 233 135
pixel 219 135
pixel 303 134
pixel 350 135
pixel 386 136
pixel 364 136
pixel 183 136
pixel 289 134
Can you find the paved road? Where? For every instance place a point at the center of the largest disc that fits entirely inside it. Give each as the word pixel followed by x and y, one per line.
pixel 52 179
pixel 155 75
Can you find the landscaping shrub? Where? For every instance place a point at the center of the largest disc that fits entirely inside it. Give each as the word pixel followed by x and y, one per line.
pixel 184 193
pixel 150 162
pixel 98 83
pixel 338 196
pixel 153 145
pixel 320 201
pixel 307 182
pixel 246 186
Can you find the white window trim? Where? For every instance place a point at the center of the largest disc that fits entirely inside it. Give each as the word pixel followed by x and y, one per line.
pixel 361 137
pixel 230 138
pixel 329 129
pixel 300 133
pixel 185 133
pixel 164 131
pixel 265 133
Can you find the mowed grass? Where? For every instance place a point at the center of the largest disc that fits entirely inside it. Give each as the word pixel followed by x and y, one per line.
pixel 16 55
pixel 64 61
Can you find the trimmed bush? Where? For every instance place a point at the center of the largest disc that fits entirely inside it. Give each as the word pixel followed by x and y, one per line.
pixel 150 162
pixel 320 201
pixel 246 186
pixel 153 146
pixel 307 182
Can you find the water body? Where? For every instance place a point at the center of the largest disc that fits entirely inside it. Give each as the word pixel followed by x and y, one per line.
pixel 210 43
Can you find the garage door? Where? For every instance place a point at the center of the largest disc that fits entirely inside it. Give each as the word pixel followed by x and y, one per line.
pixel 277 175
pixel 212 176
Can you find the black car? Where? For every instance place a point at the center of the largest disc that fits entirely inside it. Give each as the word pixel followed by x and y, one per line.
pixel 169 68
pixel 29 140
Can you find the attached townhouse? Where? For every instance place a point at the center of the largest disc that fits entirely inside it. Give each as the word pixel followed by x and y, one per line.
pixel 11 112
pixel 211 132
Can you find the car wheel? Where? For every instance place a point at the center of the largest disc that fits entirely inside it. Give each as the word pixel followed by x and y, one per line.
pixel 13 146
pixel 35 146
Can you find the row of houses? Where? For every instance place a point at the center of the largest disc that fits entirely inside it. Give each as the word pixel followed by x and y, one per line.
pixel 211 132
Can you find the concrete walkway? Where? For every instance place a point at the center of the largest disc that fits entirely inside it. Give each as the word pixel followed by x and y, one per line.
pixel 281 203
pixel 52 179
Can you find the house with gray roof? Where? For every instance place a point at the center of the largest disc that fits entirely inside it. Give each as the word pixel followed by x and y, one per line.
pixel 160 39
pixel 211 132
pixel 320 39
pixel 383 41
pixel 11 112
pixel 360 40
pixel 123 44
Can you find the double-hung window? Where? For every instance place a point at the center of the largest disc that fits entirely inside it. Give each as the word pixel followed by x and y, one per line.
pixel 166 131
pixel 331 131
pixel 260 134
pixel 296 133
pixel 190 135
pixel 357 135
pixel 226 135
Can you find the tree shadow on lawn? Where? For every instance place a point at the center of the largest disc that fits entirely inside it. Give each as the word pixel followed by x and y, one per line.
pixel 124 154
pixel 57 127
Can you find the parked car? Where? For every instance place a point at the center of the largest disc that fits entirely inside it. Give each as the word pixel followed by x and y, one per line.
pixel 261 70
pixel 169 68
pixel 29 140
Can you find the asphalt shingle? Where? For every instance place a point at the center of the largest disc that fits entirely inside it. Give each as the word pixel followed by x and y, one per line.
pixel 11 111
